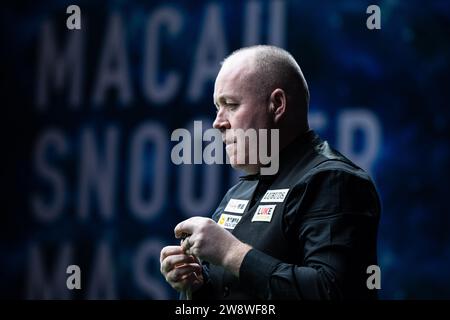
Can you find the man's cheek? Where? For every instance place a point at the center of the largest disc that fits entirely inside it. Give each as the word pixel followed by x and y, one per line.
pixel 231 152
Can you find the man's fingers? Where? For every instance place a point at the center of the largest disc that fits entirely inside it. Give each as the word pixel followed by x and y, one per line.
pixel 169 251
pixel 175 261
pixel 183 272
pixel 186 244
pixel 184 228
pixel 189 226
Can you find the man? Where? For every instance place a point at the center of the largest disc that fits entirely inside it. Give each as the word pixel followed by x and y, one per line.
pixel 307 232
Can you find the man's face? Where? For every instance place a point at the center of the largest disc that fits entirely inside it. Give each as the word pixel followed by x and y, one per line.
pixel 239 107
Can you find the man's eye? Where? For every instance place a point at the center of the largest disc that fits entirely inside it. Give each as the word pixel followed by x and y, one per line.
pixel 230 106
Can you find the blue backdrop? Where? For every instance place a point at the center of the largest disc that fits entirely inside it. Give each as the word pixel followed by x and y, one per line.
pixel 88 114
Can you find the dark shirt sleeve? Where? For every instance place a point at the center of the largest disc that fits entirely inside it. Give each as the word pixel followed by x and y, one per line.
pixel 332 221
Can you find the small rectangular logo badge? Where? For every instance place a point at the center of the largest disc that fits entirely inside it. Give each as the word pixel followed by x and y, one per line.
pixel 236 206
pixel 276 195
pixel 228 221
pixel 264 213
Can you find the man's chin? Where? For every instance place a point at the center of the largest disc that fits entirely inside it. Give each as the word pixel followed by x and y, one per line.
pixel 237 166
pixel 247 168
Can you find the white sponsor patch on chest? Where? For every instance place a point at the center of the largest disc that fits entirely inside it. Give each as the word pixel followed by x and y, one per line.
pixel 228 221
pixel 276 195
pixel 264 213
pixel 236 206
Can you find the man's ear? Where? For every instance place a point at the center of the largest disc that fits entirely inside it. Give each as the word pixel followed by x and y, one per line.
pixel 278 104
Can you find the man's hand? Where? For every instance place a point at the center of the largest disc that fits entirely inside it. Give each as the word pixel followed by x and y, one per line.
pixel 209 241
pixel 181 271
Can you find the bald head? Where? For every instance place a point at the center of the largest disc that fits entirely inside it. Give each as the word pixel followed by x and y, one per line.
pixel 267 68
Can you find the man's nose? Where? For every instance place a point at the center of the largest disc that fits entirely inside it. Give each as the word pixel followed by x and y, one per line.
pixel 221 122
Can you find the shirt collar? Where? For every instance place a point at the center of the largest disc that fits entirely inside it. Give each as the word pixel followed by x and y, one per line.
pixel 295 149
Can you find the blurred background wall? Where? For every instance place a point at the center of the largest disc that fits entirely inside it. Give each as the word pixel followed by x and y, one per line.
pixel 88 114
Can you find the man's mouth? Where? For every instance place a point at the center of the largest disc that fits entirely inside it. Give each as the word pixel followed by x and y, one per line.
pixel 229 140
